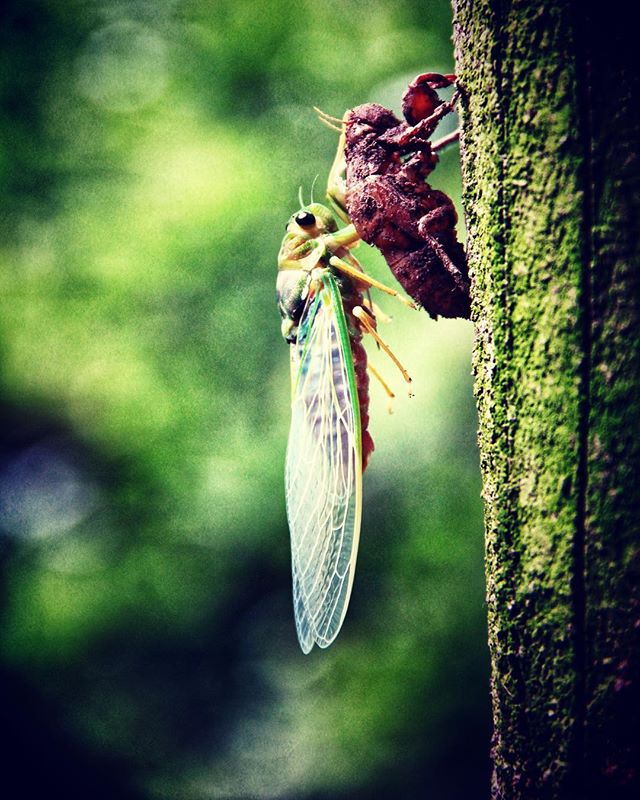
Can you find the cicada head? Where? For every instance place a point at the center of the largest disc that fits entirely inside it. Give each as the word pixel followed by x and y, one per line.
pixel 313 220
pixel 369 118
pixel 302 246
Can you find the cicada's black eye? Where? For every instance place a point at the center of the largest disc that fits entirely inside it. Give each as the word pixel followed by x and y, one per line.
pixel 305 219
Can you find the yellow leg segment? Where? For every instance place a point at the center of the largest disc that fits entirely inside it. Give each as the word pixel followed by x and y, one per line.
pixel 376 311
pixel 367 325
pixel 387 389
pixel 342 265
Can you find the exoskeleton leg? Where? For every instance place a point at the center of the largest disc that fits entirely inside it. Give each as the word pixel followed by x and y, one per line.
pixel 450 138
pixel 460 281
pixel 427 126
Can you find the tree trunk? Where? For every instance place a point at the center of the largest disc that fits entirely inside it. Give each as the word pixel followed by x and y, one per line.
pixel 550 130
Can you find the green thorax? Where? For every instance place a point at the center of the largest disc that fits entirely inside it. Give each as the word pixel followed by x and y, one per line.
pixel 312 237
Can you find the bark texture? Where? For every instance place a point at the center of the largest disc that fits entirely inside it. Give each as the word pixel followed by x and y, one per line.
pixel 550 132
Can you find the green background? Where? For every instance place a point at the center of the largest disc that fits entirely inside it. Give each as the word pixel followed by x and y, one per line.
pixel 151 155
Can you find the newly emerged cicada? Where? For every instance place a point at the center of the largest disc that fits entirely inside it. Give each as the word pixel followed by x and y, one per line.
pixel 320 291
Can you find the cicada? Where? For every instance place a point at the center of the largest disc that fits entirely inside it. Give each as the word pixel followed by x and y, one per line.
pixel 320 292
pixel 378 182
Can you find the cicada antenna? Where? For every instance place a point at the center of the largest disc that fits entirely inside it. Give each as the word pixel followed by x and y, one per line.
pixel 300 200
pixel 313 185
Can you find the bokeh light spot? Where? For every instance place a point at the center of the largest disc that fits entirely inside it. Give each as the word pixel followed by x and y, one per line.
pixel 123 67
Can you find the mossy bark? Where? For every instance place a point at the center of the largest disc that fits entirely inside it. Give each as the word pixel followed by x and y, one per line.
pixel 550 131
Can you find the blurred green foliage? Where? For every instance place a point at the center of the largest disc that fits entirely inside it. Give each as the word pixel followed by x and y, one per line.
pixel 151 155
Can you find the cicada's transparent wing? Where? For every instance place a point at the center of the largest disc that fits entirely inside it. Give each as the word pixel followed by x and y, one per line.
pixel 323 470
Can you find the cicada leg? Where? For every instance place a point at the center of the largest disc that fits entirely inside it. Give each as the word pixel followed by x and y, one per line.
pixel 344 238
pixel 450 138
pixel 353 272
pixel 427 126
pixel 420 98
pixel 378 313
pixel 453 270
pixel 368 326
pixel 387 389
